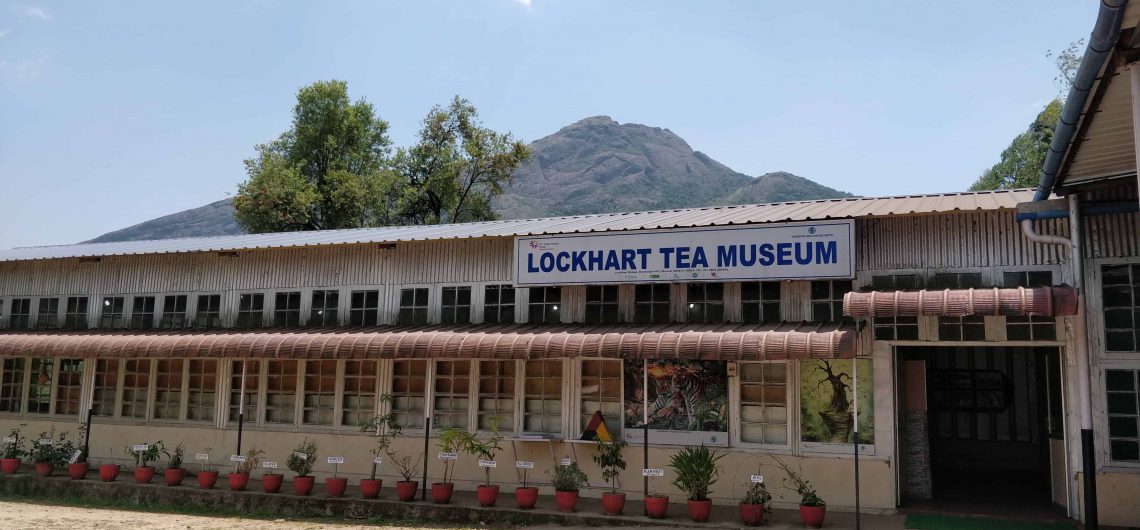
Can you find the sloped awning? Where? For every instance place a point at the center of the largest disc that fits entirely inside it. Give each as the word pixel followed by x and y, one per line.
pixel 514 341
pixel 1019 301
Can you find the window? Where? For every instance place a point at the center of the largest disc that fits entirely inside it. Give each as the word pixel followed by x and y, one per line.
pixel 358 404
pixel 1121 294
pixel 827 300
pixel 112 315
pixel 409 379
pixel 201 389
pixel 68 387
pixel 651 303
pixel 142 312
pixel 706 302
pixel 76 315
pixel 497 395
pixel 971 327
pixel 173 312
pixel 451 394
pixel 896 282
pixel 957 280
pixel 760 302
pixel 252 378
pixel 136 383
pixel 365 308
pixel 281 392
pixel 456 305
pixel 208 314
pixel 764 403
pixel 106 382
pixel 168 390
pixel 542 396
pixel 896 328
pixel 21 315
pixel 287 310
pixel 601 304
pixel 47 316
pixel 601 392
pixel 39 386
pixel 320 392
pixel 324 308
pixel 251 310
pixel 544 303
pixel 12 385
pixel 1031 327
pixel 1123 389
pixel 499 304
pixel 414 306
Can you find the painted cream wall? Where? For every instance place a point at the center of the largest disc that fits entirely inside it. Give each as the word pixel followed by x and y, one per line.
pixel 1118 498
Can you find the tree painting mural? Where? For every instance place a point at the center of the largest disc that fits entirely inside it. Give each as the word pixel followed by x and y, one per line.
pixel 827 401
pixel 683 395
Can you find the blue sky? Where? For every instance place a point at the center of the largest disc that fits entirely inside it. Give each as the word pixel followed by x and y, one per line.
pixel 112 113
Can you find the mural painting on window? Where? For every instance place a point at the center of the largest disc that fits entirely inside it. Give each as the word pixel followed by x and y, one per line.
pixel 827 403
pixel 688 402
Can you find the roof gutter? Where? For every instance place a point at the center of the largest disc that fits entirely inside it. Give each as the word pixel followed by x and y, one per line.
pixel 1101 41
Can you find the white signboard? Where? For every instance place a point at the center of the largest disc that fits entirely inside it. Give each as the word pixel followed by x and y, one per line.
pixel 789 251
pixel 138 448
pixel 758 479
pixel 45 441
pixel 336 459
pixel 300 455
pixel 488 463
pixel 75 456
pixel 201 456
pixel 237 458
pixel 448 456
pixel 378 460
pixel 269 465
pixel 524 464
pixel 9 439
pixel 653 472
pixel 566 461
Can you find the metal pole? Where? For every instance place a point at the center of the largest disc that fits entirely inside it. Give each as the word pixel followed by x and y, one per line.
pixel 855 401
pixel 645 423
pixel 1084 378
pixel 241 408
pixel 87 434
pixel 427 436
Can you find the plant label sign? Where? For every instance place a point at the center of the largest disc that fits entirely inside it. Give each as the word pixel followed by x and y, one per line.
pixel 45 441
pixel 9 439
pixel 653 472
pixel 237 458
pixel 566 461
pixel 269 465
pixel 300 455
pixel 336 459
pixel 524 464
pixel 138 448
pixel 757 479
pixel 75 456
pixel 488 463
pixel 201 456
pixel 448 456
pixel 377 460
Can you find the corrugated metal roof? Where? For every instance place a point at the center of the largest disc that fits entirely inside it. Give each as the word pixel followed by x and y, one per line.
pixel 614 222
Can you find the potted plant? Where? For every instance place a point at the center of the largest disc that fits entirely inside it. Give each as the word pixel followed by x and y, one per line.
pixel 484 452
pixel 271 481
pixel 301 462
pixel 526 496
pixel 13 451
pixel 609 458
pixel 568 479
pixel 174 472
pixel 386 431
pixel 812 507
pixel 334 485
pixel 696 469
pixel 240 477
pixel 450 441
pixel 755 504
pixel 207 477
pixel 656 506
pixel 77 470
pixel 145 454
pixel 408 469
pixel 50 451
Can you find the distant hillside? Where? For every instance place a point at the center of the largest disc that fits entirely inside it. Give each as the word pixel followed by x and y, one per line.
pixel 596 165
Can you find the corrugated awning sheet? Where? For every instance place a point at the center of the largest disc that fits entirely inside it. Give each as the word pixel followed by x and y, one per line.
pixel 514 341
pixel 1017 301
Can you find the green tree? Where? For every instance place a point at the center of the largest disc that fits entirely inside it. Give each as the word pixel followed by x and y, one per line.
pixel 457 166
pixel 329 170
pixel 1020 164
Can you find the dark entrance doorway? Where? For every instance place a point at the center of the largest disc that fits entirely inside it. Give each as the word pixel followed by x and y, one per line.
pixel 992 419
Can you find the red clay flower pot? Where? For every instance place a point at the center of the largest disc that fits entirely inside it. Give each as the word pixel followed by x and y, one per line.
pixel 144 474
pixel 303 485
pixel 207 479
pixel 613 503
pixel 752 514
pixel 44 469
pixel 108 472
pixel 77 471
pixel 566 500
pixel 238 481
pixel 9 465
pixel 487 495
pixel 406 491
pixel 336 486
pixel 812 515
pixel 526 497
pixel 271 482
pixel 370 487
pixel 699 510
pixel 656 507
pixel 174 476
pixel 441 492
